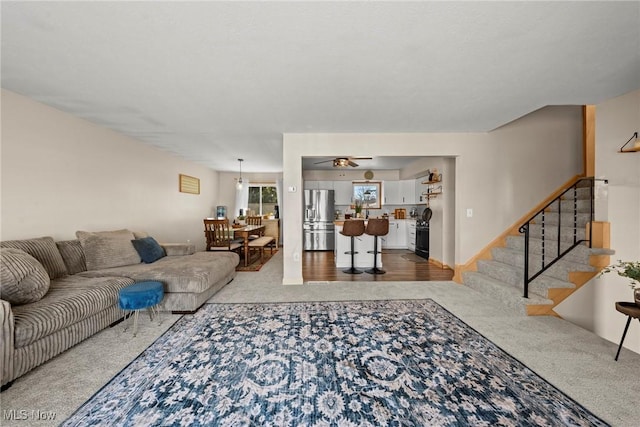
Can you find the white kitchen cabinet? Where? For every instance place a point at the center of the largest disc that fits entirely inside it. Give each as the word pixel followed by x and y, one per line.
pixel 411 235
pixel 400 192
pixel 343 192
pixel 391 237
pixel 325 185
pixel 397 236
pixel 402 234
pixel 318 185
pixel 408 191
pixel 391 191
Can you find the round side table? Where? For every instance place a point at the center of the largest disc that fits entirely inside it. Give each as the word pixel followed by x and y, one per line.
pixel 139 296
pixel 631 310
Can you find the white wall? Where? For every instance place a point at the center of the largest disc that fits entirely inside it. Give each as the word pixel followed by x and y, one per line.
pixel 500 174
pixel 61 174
pixel 449 221
pixel 437 233
pixel 593 305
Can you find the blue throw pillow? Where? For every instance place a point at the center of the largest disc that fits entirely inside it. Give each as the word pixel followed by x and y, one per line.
pixel 148 249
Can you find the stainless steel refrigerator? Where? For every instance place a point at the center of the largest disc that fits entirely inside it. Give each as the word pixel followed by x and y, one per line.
pixel 319 212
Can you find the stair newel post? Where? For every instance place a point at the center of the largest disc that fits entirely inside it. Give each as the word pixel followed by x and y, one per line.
pixel 592 208
pixel 526 259
pixel 559 224
pixel 542 231
pixel 575 213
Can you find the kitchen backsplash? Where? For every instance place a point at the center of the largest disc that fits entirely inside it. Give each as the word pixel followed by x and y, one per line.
pixel 389 209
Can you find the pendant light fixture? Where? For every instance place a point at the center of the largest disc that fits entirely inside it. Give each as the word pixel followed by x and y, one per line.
pixel 239 184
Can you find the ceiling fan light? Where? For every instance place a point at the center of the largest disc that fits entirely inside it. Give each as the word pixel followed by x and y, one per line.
pixel 340 163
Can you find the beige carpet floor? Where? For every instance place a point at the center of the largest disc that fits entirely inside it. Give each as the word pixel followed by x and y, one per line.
pixel 575 360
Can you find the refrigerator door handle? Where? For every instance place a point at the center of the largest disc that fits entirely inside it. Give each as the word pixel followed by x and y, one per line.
pixel 310 214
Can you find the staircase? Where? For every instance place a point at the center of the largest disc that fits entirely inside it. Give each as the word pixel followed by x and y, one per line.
pixel 502 277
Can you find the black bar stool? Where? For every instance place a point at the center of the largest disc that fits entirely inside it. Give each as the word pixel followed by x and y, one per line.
pixel 631 310
pixel 376 227
pixel 352 228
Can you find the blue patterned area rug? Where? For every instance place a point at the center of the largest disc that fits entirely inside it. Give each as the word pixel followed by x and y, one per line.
pixel 373 363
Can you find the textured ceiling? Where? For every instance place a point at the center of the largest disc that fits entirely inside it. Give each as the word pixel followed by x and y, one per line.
pixel 218 81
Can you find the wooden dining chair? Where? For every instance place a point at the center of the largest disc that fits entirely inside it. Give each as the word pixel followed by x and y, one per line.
pixel 219 236
pixel 253 220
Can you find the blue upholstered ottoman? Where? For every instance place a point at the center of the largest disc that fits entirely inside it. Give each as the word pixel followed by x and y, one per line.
pixel 139 296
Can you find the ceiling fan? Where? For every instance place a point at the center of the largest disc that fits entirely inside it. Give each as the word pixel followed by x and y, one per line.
pixel 343 162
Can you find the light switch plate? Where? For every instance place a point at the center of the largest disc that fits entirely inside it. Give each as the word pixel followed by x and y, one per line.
pixel 469 212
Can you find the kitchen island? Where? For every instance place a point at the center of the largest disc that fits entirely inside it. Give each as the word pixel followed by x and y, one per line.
pixel 362 244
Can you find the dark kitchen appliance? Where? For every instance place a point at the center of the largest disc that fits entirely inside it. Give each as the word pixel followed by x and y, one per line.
pixel 426 215
pixel 318 227
pixel 422 234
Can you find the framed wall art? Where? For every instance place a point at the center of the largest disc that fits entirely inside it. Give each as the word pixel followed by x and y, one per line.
pixel 189 184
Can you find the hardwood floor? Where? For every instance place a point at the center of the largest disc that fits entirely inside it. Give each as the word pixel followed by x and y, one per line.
pixel 400 265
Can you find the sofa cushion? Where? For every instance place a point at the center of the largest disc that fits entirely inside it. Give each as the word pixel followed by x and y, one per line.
pixel 192 273
pixel 148 249
pixel 23 278
pixel 178 249
pixel 140 234
pixel 43 249
pixel 73 255
pixel 69 300
pixel 106 249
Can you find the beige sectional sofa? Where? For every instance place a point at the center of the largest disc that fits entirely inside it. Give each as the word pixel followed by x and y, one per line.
pixel 56 294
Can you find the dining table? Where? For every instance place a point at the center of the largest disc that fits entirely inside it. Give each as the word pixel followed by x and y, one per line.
pixel 244 232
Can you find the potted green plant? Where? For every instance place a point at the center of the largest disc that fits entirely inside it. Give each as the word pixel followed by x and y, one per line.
pixel 630 270
pixel 358 208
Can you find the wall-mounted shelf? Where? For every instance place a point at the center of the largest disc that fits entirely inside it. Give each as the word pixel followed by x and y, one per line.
pixel 634 148
pixel 434 187
pixel 430 194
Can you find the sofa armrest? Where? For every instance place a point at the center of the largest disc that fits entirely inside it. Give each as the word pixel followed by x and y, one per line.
pixel 175 249
pixel 6 341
